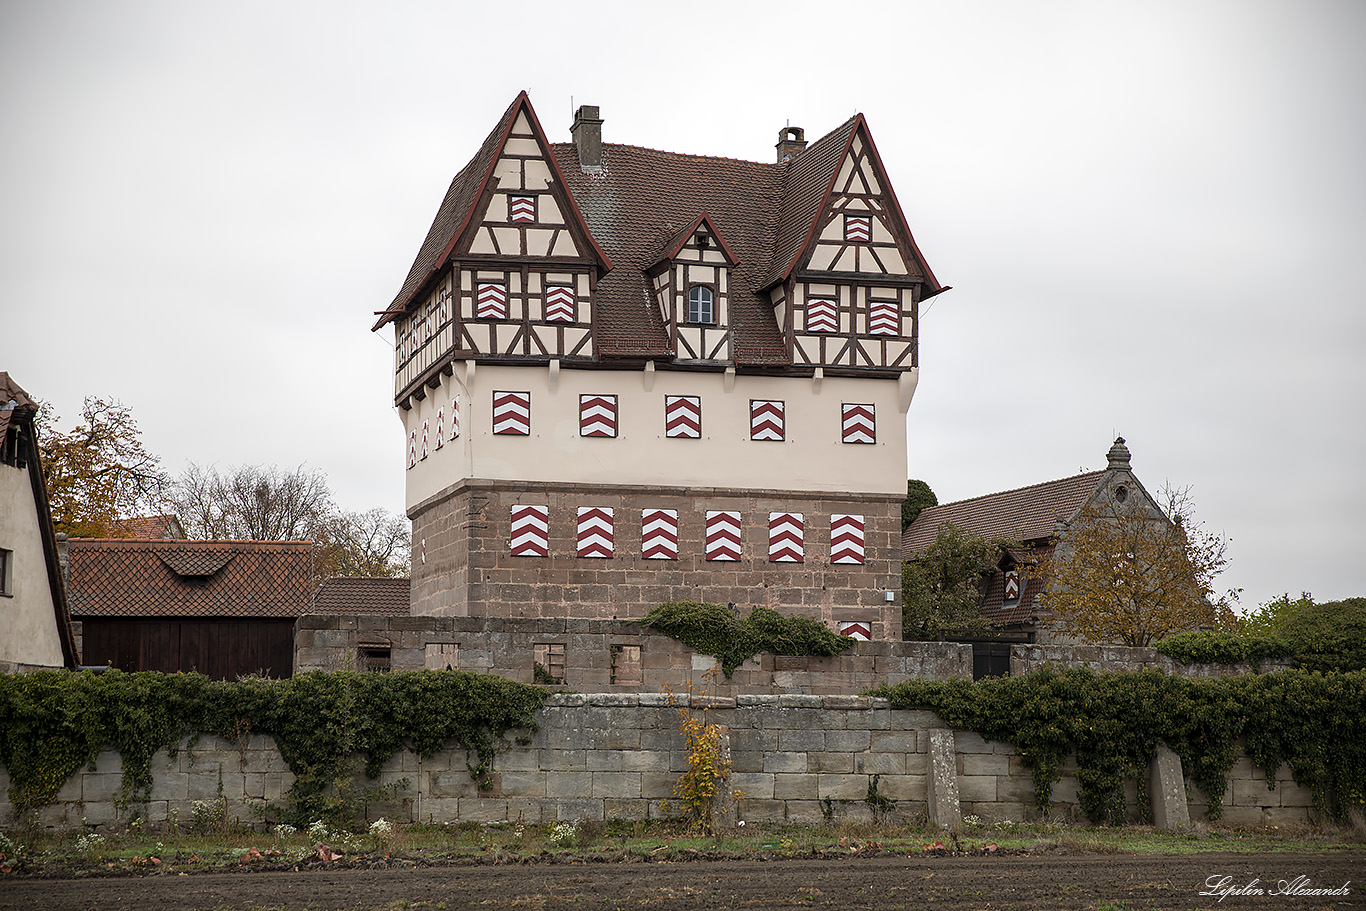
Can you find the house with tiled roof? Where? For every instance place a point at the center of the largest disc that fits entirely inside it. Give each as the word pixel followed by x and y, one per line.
pixel 1035 518
pixel 35 627
pixel 222 608
pixel 629 376
pixel 362 595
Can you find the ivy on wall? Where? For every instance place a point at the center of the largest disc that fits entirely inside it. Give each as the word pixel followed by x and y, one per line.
pixel 711 629
pixel 52 723
pixel 1114 722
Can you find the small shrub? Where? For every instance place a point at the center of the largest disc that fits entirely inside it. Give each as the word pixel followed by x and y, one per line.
pixel 711 629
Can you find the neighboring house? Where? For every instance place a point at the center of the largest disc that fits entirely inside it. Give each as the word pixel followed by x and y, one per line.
pixel 146 528
pixel 222 608
pixel 629 376
pixel 367 596
pixel 1035 518
pixel 35 628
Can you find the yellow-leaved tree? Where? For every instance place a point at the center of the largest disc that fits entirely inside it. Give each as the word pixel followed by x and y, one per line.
pixel 1131 571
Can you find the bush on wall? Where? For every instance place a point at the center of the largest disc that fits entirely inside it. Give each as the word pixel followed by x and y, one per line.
pixel 711 629
pixel 52 723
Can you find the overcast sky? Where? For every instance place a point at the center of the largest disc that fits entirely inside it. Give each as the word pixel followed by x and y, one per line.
pixel 1152 214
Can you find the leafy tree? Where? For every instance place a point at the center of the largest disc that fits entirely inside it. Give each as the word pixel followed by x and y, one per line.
pixel 1133 571
pixel 918 497
pixel 1269 618
pixel 941 592
pixel 98 472
pixel 1325 637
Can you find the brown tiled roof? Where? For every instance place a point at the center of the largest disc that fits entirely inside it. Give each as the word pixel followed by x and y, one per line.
pixel 124 577
pixel 146 528
pixel 1024 514
pixel 362 595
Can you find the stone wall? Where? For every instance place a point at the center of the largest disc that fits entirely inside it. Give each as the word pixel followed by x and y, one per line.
pixel 596 658
pixel 1026 658
pixel 797 758
pixel 464 533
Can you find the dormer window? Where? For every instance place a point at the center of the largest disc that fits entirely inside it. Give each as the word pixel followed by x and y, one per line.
pixel 701 305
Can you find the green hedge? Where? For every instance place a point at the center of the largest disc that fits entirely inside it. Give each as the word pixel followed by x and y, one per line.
pixel 54 722
pixel 1114 722
pixel 1220 647
pixel 711 629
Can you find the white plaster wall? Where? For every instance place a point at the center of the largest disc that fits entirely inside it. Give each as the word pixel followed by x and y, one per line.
pixel 28 622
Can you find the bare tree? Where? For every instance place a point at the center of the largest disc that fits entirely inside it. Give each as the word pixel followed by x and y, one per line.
pixel 371 543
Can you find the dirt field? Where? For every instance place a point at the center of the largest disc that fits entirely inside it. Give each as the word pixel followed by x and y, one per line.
pixel 1018 882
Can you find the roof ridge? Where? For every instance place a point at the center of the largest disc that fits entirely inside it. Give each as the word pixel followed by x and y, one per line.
pixel 667 153
pixel 997 493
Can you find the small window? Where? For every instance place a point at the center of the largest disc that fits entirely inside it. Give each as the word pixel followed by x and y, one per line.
pixel 626 665
pixel 1121 493
pixel 549 663
pixel 6 571
pixel 373 658
pixel 701 305
pixel 442 656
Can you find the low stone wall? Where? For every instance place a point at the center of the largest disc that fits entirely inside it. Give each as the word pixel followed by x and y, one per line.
pixel 797 758
pixel 1026 658
pixel 609 655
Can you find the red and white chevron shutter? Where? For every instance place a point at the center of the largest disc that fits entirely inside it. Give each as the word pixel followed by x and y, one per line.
pixel 767 420
pixel 858 424
pixel 597 415
pixel 683 416
pixel 412 449
pixel 822 315
pixel 858 228
pixel 1012 584
pixel 785 533
pixel 521 208
pixel 595 531
pixel 440 427
pixel 491 300
pixel 530 531
pixel 426 429
pixel 559 303
pixel 659 534
pixel 455 416
pixel 512 413
pixel 846 539
pixel 723 535
pixel 856 629
pixel 884 318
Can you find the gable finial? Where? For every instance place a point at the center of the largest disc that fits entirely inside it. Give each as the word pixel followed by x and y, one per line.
pixel 1118 456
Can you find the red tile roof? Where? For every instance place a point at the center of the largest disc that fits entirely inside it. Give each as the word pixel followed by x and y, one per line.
pixel 362 595
pixel 146 528
pixel 1024 514
pixel 124 577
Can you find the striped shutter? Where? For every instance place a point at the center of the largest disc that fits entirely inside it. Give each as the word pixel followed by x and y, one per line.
pixel 821 315
pixel 766 420
pixel 412 449
pixel 723 535
pixel 858 424
pixel 884 318
pixel 521 209
pixel 846 539
pixel 597 415
pixel 595 531
pixel 530 531
pixel 426 430
pixel 659 534
pixel 683 416
pixel 1012 585
pixel 455 416
pixel 785 533
pixel 512 413
pixel 559 303
pixel 855 629
pixel 858 228
pixel 440 427
pixel 491 300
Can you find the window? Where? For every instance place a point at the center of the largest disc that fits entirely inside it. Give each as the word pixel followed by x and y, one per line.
pixel 6 571
pixel 374 658
pixel 701 307
pixel 549 663
pixel 626 665
pixel 442 656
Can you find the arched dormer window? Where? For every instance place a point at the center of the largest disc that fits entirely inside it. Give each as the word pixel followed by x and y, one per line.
pixel 701 305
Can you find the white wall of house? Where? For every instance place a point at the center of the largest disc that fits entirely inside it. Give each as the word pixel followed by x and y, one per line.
pixel 28 618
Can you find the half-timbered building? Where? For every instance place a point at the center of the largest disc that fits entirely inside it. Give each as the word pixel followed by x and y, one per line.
pixel 629 376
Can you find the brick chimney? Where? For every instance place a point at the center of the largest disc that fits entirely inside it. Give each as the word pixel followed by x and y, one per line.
pixel 587 133
pixel 790 143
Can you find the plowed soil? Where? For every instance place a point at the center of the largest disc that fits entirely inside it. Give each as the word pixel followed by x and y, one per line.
pixel 1017 882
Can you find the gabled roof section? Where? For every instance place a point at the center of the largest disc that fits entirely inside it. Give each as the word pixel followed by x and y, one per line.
pixel 462 202
pixel 676 243
pixel 122 577
pixel 353 595
pixel 807 189
pixel 1024 514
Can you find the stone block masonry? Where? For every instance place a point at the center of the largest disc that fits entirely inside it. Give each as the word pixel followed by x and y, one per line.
pixel 798 759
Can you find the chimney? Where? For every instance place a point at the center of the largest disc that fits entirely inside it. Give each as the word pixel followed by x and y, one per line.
pixel 587 133
pixel 790 143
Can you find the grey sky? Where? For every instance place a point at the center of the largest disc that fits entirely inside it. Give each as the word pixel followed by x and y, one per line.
pixel 1151 214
